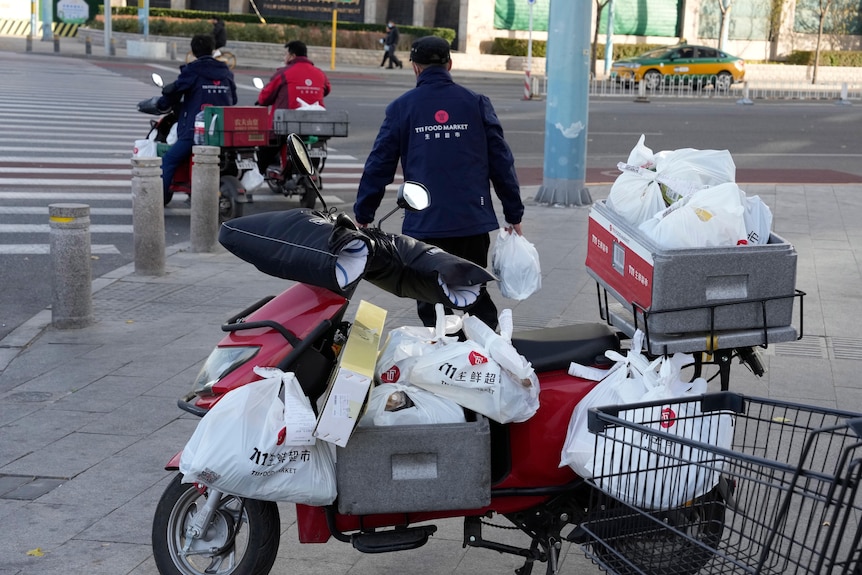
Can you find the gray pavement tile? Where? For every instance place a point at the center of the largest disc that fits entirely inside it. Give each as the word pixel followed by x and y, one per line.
pixel 69 455
pixel 11 482
pixel 39 431
pixel 140 416
pixel 844 316
pixel 10 411
pixel 90 557
pixel 46 527
pixel 105 395
pixel 795 379
pixel 34 489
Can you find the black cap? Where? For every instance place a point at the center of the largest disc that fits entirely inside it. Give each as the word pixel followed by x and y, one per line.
pixel 430 50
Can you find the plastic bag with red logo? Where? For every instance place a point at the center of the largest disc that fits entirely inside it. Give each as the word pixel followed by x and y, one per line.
pixel 256 442
pixel 464 372
pixel 665 469
pixel 405 344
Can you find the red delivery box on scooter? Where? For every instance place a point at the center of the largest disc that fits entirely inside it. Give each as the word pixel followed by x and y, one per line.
pixel 236 126
pixel 678 291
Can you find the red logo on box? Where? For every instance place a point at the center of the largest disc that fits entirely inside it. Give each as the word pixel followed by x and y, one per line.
pixel 477 358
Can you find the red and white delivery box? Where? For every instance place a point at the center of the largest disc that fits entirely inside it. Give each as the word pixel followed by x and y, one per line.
pixel 691 290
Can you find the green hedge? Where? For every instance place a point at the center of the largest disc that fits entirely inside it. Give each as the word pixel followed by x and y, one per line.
pixel 827 58
pixel 514 47
pixel 247 27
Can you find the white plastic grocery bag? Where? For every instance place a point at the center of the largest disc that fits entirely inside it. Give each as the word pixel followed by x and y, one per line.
pixel 710 217
pixel 622 383
pixel 405 344
pixel 516 262
pixel 465 373
pixel 655 471
pixel 144 149
pixel 398 404
pixel 758 219
pixel 635 195
pixel 256 442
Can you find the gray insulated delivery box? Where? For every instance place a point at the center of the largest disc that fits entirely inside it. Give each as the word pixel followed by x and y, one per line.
pixel 634 270
pixel 310 122
pixel 397 469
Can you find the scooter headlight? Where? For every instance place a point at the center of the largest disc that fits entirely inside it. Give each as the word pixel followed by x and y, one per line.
pixel 221 362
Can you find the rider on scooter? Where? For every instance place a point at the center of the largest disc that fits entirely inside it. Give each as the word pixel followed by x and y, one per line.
pixel 202 82
pixel 299 79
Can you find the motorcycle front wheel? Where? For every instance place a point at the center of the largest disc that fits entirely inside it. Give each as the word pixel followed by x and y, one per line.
pixel 242 538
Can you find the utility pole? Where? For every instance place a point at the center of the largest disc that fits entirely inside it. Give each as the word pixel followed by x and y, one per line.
pixel 566 108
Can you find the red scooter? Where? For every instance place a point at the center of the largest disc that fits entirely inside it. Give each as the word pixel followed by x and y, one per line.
pixel 234 162
pixel 197 530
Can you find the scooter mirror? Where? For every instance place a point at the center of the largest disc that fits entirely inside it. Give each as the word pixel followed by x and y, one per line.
pixel 299 155
pixel 157 80
pixel 413 196
pixel 258 83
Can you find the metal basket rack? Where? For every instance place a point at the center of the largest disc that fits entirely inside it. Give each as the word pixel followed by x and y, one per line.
pixel 775 490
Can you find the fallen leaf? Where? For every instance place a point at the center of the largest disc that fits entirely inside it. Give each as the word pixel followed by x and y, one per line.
pixel 37 552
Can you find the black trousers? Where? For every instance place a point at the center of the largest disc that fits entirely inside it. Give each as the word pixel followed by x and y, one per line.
pixel 390 55
pixel 474 249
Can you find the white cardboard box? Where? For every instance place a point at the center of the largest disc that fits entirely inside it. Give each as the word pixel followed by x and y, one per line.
pixel 347 392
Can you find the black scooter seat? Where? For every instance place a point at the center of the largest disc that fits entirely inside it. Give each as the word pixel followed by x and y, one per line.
pixel 554 348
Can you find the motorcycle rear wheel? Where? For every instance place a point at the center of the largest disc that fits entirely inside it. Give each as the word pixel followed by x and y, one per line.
pixel 653 549
pixel 253 525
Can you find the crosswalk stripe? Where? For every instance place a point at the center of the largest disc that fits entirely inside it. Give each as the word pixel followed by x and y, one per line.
pixel 43 211
pixel 78 196
pixel 44 249
pixel 60 183
pixel 46 228
pixel 65 171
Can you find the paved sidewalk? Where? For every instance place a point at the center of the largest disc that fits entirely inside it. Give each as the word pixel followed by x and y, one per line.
pixel 88 417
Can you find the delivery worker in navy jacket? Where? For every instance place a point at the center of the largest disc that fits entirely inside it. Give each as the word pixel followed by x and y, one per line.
pixel 449 139
pixel 202 82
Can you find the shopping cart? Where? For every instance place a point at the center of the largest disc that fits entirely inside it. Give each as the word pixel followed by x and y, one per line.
pixel 775 489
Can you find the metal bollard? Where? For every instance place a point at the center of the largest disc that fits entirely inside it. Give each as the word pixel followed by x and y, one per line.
pixel 72 305
pixel 205 197
pixel 29 43
pixel 642 97
pixel 148 216
pixel 173 50
pixel 56 44
pixel 88 45
pixel 113 48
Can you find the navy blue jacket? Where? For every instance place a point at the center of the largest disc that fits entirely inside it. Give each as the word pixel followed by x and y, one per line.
pixel 449 139
pixel 202 81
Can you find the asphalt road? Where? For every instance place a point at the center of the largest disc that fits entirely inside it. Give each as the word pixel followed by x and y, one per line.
pixel 771 141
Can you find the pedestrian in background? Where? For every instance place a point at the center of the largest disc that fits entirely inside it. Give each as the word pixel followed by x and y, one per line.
pixel 390 42
pixel 449 139
pixel 219 33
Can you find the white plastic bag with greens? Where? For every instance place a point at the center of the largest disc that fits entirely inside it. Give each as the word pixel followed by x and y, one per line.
pixel 711 217
pixel 256 442
pixel 399 404
pixel 516 262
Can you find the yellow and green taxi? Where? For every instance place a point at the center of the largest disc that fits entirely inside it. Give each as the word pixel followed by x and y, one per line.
pixel 680 63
